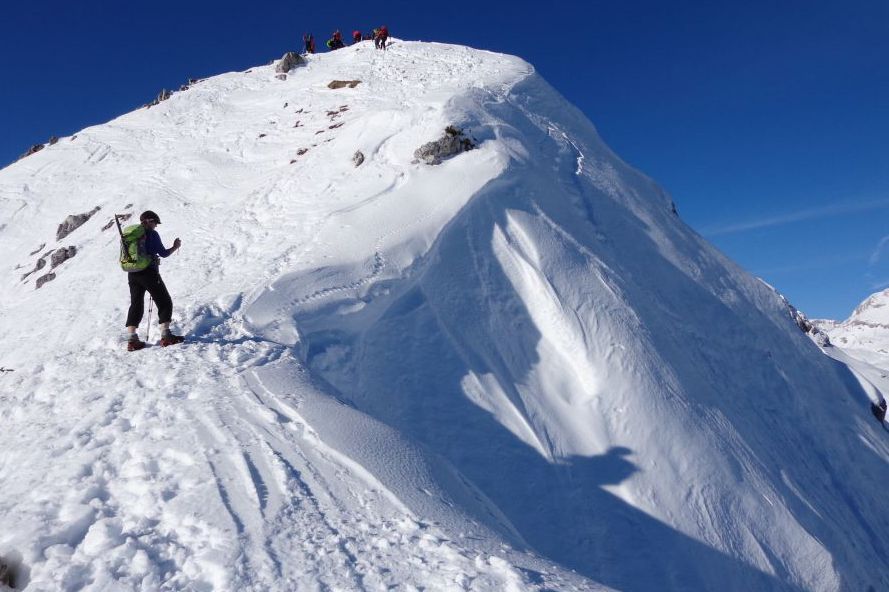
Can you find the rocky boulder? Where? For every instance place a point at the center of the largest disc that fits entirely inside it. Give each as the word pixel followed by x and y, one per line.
pixel 59 256
pixel 290 61
pixel 452 143
pixel 45 278
pixel 73 222
pixel 343 83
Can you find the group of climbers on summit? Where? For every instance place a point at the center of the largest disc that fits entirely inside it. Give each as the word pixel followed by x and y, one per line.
pixel 380 37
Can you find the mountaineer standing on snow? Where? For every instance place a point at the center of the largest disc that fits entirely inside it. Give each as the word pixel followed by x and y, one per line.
pixel 141 259
pixel 309 42
pixel 335 42
pixel 381 36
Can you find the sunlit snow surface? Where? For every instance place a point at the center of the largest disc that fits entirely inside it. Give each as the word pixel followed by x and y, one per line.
pixel 516 370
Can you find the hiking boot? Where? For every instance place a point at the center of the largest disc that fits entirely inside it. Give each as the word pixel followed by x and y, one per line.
pixel 135 344
pixel 170 339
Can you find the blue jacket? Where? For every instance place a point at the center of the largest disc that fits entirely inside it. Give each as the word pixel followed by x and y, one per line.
pixel 155 247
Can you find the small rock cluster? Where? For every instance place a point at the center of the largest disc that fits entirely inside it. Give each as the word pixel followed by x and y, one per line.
pixel 38 147
pixel 56 257
pixel 191 82
pixel 32 150
pixel 163 95
pixel 452 143
pixel 332 115
pixel 807 326
pixel 110 223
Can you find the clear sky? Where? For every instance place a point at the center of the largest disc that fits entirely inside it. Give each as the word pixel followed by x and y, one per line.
pixel 768 121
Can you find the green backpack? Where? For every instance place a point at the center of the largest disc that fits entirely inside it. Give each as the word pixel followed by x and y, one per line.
pixel 133 256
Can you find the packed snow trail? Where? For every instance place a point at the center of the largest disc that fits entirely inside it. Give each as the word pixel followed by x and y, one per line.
pixel 479 375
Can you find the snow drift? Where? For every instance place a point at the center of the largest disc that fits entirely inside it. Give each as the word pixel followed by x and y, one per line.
pixel 515 369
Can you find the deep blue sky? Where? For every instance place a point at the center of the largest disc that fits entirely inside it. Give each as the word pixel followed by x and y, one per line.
pixel 768 121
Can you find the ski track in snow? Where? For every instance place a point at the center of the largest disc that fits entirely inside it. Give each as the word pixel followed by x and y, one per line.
pixel 158 464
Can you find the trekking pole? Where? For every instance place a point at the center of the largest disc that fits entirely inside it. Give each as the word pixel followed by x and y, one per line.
pixel 148 331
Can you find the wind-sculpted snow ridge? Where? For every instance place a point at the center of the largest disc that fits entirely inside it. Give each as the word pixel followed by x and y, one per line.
pixel 514 370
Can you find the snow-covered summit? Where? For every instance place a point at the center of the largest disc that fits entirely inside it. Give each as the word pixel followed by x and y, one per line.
pixel 470 375
pixel 865 334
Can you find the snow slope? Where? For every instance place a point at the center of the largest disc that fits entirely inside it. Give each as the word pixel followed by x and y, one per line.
pixel 518 369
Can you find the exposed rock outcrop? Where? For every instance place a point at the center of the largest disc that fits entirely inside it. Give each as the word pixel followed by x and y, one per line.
pixel 56 258
pixel 32 150
pixel 163 95
pixel 290 61
pixel 45 278
pixel 121 217
pixel 343 83
pixel 805 325
pixel 59 256
pixel 41 263
pixel 358 158
pixel 73 222
pixel 452 143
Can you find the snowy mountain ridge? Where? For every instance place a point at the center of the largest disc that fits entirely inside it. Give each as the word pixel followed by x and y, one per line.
pixel 865 334
pixel 518 369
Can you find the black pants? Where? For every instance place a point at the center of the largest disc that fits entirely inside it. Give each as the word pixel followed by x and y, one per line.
pixel 148 280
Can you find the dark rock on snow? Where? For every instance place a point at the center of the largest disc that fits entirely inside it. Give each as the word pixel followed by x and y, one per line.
pixel 358 158
pixel 32 150
pixel 343 83
pixel 61 255
pixel 73 222
pixel 45 278
pixel 121 217
pixel 163 95
pixel 453 142
pixel 290 61
pixel 41 263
